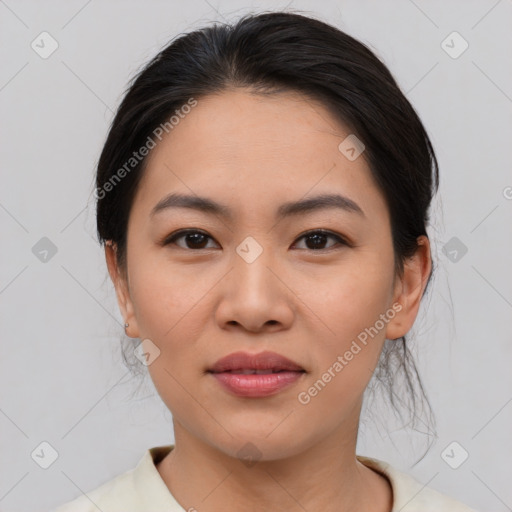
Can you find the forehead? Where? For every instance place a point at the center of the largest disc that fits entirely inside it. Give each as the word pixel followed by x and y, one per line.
pixel 254 149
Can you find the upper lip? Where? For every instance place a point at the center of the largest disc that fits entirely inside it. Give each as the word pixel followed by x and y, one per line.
pixel 262 361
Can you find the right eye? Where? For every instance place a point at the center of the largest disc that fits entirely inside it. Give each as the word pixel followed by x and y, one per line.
pixel 194 239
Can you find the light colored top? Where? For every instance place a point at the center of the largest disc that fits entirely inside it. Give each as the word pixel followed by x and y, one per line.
pixel 142 489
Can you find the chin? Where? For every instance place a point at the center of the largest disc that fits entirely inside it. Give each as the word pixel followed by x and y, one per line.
pixel 252 444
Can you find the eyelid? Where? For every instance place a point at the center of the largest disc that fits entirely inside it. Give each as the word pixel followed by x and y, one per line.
pixel 168 239
pixel 342 240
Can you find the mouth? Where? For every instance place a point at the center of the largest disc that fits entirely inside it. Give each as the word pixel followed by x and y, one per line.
pixel 263 362
pixel 256 375
pixel 253 371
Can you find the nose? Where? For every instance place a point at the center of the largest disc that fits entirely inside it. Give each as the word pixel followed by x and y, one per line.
pixel 255 296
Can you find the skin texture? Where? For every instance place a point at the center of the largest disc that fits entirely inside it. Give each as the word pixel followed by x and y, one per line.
pixel 253 153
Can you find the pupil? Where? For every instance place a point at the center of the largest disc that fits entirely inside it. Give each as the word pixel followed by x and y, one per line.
pixel 319 239
pixel 195 238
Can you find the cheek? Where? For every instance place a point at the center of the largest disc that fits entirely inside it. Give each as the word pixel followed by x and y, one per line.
pixel 171 310
pixel 347 354
pixel 353 312
pixel 351 297
pixel 163 297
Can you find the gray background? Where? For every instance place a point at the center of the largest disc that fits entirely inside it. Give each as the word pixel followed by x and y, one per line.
pixel 62 378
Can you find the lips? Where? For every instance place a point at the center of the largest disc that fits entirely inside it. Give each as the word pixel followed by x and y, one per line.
pixel 256 375
pixel 262 363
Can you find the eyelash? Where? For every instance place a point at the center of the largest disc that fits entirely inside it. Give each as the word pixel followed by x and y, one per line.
pixel 171 239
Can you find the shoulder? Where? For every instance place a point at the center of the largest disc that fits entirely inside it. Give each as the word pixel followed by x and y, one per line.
pixel 140 488
pixel 116 494
pixel 409 495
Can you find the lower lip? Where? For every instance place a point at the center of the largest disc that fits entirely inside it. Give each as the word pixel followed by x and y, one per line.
pixel 255 385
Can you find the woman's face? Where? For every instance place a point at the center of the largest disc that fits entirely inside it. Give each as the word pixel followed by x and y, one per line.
pixel 253 280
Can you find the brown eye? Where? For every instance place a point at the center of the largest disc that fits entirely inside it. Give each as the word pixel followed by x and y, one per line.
pixel 316 240
pixel 193 239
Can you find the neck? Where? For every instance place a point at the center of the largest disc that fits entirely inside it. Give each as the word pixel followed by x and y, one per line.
pixel 326 476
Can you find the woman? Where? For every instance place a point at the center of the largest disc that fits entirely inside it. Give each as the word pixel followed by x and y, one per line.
pixel 263 197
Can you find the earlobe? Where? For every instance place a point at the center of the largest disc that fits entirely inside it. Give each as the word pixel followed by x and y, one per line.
pixel 122 290
pixel 409 289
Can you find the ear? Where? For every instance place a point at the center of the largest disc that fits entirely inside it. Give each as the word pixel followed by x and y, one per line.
pixel 409 289
pixel 120 281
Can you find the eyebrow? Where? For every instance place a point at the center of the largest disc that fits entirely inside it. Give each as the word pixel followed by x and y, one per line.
pixel 301 207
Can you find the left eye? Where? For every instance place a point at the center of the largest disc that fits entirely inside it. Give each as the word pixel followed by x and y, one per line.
pixel 318 238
